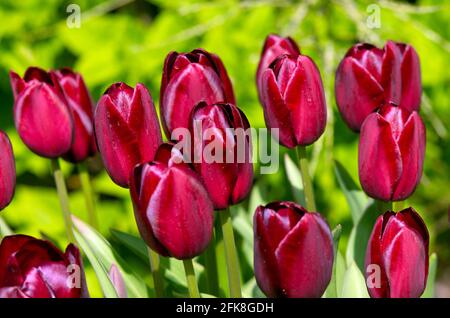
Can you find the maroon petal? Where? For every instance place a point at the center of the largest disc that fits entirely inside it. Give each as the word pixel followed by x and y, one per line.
pixel 7 171
pixel 276 114
pixel 181 202
pixel 17 84
pixel 43 121
pixel 305 258
pixel 391 75
pixel 305 98
pixel 226 82
pixel 73 256
pixel 358 93
pixel 412 148
pixel 8 247
pixel 12 292
pixel 379 158
pixel 411 80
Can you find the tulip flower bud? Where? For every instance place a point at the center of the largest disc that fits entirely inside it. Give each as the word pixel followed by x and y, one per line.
pixel 189 78
pixel 41 115
pixel 223 144
pixel 7 171
pixel 274 46
pixel 126 129
pixel 397 256
pixel 173 211
pixel 293 251
pixel 32 268
pixel 80 102
pixel 391 153
pixel 293 100
pixel 369 77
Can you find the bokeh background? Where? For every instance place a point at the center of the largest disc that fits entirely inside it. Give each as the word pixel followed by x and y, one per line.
pixel 127 40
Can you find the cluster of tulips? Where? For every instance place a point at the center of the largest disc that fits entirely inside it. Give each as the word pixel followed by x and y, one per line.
pixel 378 94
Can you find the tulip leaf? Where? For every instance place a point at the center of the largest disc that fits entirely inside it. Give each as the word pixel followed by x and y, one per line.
pixel 356 198
pixel 133 243
pixel 354 284
pixel 295 180
pixel 432 267
pixel 107 257
pixel 4 228
pixel 332 289
pixel 108 289
pixel 251 290
pixel 244 229
pixel 359 236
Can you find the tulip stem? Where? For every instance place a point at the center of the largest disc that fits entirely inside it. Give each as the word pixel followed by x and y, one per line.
pixel 211 267
pixel 383 206
pixel 88 193
pixel 234 280
pixel 398 205
pixel 63 198
pixel 308 189
pixel 190 278
pixel 155 266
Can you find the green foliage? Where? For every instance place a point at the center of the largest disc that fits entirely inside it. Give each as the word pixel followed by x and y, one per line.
pixel 128 41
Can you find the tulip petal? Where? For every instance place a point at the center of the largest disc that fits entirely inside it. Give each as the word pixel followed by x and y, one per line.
pixel 7 171
pixel 412 148
pixel 181 214
pixel 411 80
pixel 305 258
pixel 391 74
pixel 9 246
pixel 305 98
pixel 358 93
pixel 379 158
pixel 276 114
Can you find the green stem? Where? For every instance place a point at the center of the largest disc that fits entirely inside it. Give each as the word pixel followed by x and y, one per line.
pixel 190 278
pixel 308 189
pixel 384 206
pixel 88 193
pixel 63 198
pixel 155 266
pixel 234 280
pixel 398 205
pixel 211 267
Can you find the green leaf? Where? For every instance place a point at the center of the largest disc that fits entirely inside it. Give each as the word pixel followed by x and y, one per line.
pixel 133 243
pixel 354 285
pixel 430 289
pixel 106 256
pixel 295 179
pixel 106 285
pixel 332 289
pixel 356 198
pixel 359 236
pixel 251 290
pixel 4 228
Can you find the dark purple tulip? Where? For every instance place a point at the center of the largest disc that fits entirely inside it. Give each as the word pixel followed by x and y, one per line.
pixel 369 77
pixel 173 211
pixel 80 102
pixel 293 251
pixel 7 171
pixel 293 100
pixel 391 153
pixel 398 247
pixel 274 46
pixel 189 78
pixel 41 115
pixel 32 268
pixel 229 178
pixel 126 129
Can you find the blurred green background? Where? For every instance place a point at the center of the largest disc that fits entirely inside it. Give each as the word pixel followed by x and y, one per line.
pixel 126 40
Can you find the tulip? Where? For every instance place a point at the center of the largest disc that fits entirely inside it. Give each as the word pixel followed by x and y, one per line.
pixel 369 77
pixel 126 129
pixel 293 251
pixel 293 100
pixel 189 78
pixel 7 171
pixel 80 102
pixel 173 211
pixel 397 256
pixel 32 268
pixel 41 115
pixel 274 46
pixel 228 177
pixel 391 153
